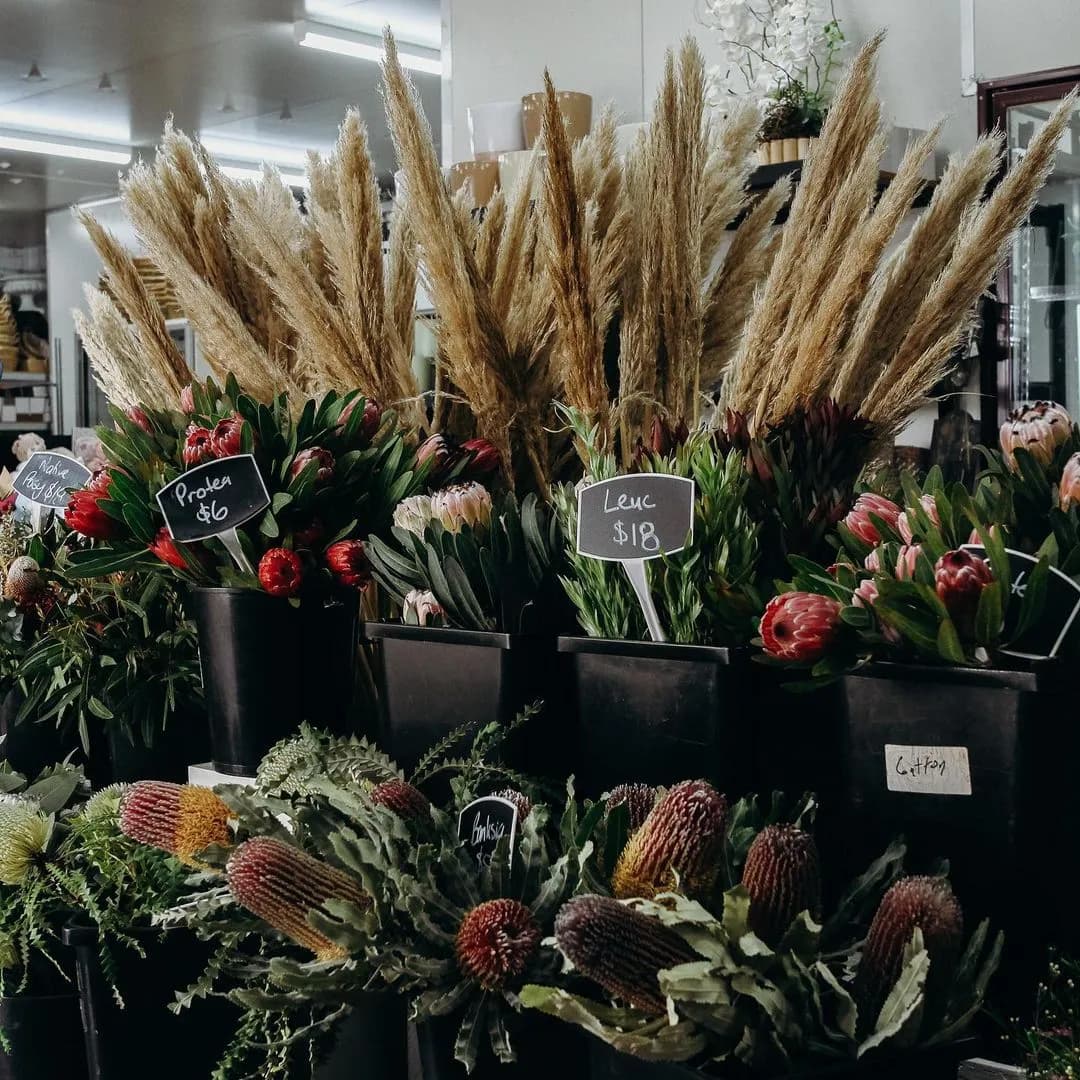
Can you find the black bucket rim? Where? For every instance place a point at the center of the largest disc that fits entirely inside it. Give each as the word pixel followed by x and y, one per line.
pixel 656 650
pixel 1038 675
pixel 450 635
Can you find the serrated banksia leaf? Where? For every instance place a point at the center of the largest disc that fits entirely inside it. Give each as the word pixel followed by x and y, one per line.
pixel 496 941
pixel 782 874
pixel 285 886
pixel 620 949
pixel 683 835
pixel 182 819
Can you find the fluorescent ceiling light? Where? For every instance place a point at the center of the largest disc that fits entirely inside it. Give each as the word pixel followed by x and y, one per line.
pixel 82 151
pixel 237 172
pixel 364 46
pixel 52 122
pixel 415 27
pixel 243 150
pixel 101 200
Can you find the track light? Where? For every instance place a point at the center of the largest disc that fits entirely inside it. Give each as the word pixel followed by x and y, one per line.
pixel 111 155
pixel 364 46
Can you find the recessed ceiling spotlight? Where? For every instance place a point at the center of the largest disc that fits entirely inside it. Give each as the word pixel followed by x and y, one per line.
pixel 59 172
pixel 34 74
pixel 227 105
pixel 286 112
pixel 105 84
pixel 5 164
pixel 15 179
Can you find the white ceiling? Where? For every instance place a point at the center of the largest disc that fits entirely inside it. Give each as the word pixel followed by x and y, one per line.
pixel 184 57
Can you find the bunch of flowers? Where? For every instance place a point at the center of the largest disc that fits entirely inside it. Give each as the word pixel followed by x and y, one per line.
pixel 1051 1046
pixel 334 469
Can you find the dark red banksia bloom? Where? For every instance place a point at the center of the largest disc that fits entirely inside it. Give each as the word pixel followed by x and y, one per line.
pixel 401 797
pixel 521 802
pixel 683 833
pixel 620 949
pixel 496 942
pixel 638 799
pixel 182 819
pixel 284 886
pixel 782 874
pixel 85 516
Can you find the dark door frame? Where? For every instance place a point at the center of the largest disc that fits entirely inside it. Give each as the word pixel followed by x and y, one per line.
pixel 995 97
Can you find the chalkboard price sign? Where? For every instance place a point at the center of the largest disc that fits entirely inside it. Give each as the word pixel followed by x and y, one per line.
pixel 214 500
pixel 1060 616
pixel 484 823
pixel 634 518
pixel 48 479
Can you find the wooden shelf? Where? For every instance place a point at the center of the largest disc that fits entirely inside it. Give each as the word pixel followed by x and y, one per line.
pixel 29 425
pixel 25 378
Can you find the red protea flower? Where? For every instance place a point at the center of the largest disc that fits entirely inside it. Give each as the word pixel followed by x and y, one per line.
pixel 285 886
pixel 484 459
pixel 84 513
pixel 1069 488
pixel 858 517
pixel 225 438
pixel 139 418
pixel 198 445
pixel 348 563
pixel 782 874
pixel 401 797
pixel 907 560
pixel 905 522
pixel 924 902
pixel 799 626
pixel 280 572
pixel 638 799
pixel 372 416
pixel 164 547
pixel 959 579
pixel 181 819
pixel 440 455
pixel 496 941
pixel 1039 429
pixel 683 835
pixel 620 949
pixel 7 503
pixel 187 400
pixel 520 801
pixel 324 464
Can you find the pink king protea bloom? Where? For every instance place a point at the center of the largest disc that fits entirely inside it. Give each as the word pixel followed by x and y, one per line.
pixel 858 517
pixel 1039 429
pixel 799 626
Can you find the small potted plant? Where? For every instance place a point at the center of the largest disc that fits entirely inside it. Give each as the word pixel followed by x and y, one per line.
pixel 286 602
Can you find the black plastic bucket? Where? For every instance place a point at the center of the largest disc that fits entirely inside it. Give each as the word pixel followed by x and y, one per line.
pixel 374 1033
pixel 45 1036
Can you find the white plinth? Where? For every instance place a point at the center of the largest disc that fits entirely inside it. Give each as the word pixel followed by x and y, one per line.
pixel 206 775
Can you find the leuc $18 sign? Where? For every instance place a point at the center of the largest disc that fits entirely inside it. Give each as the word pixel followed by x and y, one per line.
pixel 639 516
pixel 214 498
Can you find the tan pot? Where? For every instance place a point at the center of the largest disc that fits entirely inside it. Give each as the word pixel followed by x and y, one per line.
pixel 804 147
pixel 576 109
pixel 791 149
pixel 776 151
pixel 763 153
pixel 483 176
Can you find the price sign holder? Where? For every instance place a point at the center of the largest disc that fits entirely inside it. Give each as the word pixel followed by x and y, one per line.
pixel 215 499
pixel 484 823
pixel 47 480
pixel 632 519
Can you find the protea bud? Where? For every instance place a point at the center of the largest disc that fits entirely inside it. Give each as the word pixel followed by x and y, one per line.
pixel 413 514
pixel 907 559
pixel 369 424
pixel 285 886
pixel 181 819
pixel 866 594
pixel 461 505
pixel 23 582
pixel 905 523
pixel 484 458
pixel 638 799
pixel 1069 488
pixel 872 562
pixel 620 949
pixel 959 579
pixel 782 874
pixel 924 902
pixel 421 608
pixel 322 459
pixel 496 941
pixel 518 799
pixel 858 518
pixel 683 834
pixel 24 835
pixel 401 797
pixel 1039 429
pixel 799 626
pixel 442 455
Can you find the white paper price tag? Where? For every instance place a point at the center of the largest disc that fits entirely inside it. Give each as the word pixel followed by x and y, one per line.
pixel 928 770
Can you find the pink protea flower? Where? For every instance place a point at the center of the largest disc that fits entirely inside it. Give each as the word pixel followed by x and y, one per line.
pixel 904 524
pixel 866 596
pixel 1039 429
pixel 324 464
pixel 799 626
pixel 187 400
pixel 1069 488
pixel 858 517
pixel 872 562
pixel 462 505
pixel 139 418
pixel 959 579
pixel 906 561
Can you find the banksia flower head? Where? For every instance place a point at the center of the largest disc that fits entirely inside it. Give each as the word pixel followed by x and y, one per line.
pixel 1069 488
pixel 348 563
pixel 683 834
pixel 181 819
pixel 198 445
pixel 284 886
pixel 959 579
pixel 323 460
pixel 924 902
pixel 461 505
pixel 858 518
pixel 520 801
pixel 413 514
pixel 401 797
pixel 905 523
pixel 799 626
pixel 421 608
pixel 23 583
pixel 620 949
pixel 280 572
pixel 638 799
pixel 1039 429
pixel 496 941
pixel 24 835
pixel 782 874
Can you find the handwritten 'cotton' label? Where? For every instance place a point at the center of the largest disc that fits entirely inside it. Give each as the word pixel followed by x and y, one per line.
pixel 928 770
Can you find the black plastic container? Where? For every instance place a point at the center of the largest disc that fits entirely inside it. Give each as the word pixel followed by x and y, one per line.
pixel 45 1035
pixel 1011 843
pixel 28 747
pixel 373 1034
pixel 144 1037
pixel 266 666
pixel 432 680
pixel 932 1063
